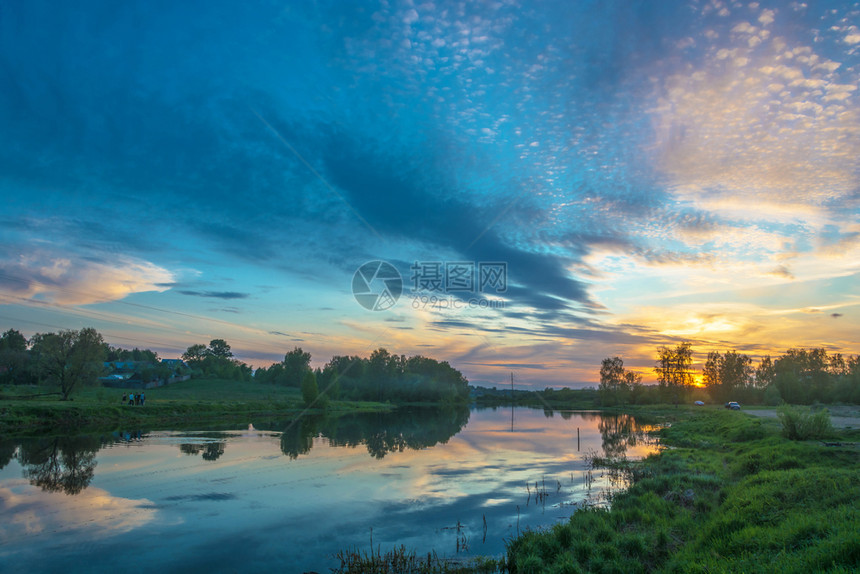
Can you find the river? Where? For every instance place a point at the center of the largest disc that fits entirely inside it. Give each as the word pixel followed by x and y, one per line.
pixel 287 497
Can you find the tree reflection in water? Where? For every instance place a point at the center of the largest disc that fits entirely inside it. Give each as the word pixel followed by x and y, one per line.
pixel 620 431
pixel 298 437
pixel 381 433
pixel 7 452
pixel 59 464
pixel 210 451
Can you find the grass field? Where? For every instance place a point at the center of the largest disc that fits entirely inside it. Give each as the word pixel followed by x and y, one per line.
pixel 731 494
pixel 35 410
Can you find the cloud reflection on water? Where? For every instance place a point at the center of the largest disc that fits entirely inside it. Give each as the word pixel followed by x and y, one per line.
pixel 260 506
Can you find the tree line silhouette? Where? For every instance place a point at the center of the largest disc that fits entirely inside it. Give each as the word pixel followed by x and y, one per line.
pixel 799 376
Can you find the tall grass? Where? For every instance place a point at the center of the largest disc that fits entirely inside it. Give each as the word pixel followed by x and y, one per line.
pixel 732 495
pixel 800 423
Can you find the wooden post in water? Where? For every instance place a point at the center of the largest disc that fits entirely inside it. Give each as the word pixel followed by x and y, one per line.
pixel 577 439
pixel 512 401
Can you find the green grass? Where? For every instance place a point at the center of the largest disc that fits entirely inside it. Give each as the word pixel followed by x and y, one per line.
pixel 200 402
pixel 729 495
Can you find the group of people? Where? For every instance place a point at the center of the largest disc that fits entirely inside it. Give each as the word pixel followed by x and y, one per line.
pixel 134 399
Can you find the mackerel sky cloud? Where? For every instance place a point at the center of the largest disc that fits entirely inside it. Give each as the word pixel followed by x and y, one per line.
pixel 649 172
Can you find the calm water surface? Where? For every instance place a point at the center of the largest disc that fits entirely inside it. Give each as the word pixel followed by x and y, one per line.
pixel 288 499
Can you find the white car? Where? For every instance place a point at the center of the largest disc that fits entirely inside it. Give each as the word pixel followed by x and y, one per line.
pixel 699 404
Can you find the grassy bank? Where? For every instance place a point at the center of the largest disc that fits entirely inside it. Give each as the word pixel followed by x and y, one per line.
pixel 731 494
pixel 201 402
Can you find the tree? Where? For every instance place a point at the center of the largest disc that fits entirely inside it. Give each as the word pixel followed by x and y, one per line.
pixel 848 386
pixel 764 373
pixel 12 340
pixel 219 348
pixel 613 383
pixel 70 358
pixel 673 371
pixel 634 385
pixel 802 376
pixel 310 391
pixel 217 361
pixel 618 385
pixel 14 358
pixel 115 354
pixel 727 374
pixel 296 364
pixel 194 355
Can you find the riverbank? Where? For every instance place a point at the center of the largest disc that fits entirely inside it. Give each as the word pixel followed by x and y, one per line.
pixel 730 494
pixel 201 403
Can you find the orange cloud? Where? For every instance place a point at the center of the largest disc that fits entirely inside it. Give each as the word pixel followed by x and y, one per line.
pixel 78 281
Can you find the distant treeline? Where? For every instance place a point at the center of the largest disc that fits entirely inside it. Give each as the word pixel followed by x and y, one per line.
pixel 66 359
pixel 566 398
pixel 70 359
pixel 215 361
pixel 380 377
pixel 800 376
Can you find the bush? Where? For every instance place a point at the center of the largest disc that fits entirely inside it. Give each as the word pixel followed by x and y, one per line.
pixel 800 423
pixel 310 391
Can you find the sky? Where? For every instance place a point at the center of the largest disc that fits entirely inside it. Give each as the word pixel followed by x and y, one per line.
pixel 630 174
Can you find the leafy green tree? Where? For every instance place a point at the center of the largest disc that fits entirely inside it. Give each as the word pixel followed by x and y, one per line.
pixel 15 364
pixel 70 358
pixel 115 354
pixel 837 366
pixel 219 348
pixel 194 355
pixel 13 340
pixel 296 363
pixel 802 376
pixel 847 388
pixel 613 384
pixel 328 380
pixel 617 384
pixel 217 361
pixel 772 396
pixel 633 382
pixel 764 373
pixel 727 375
pixel 310 391
pixel 396 378
pixel 674 374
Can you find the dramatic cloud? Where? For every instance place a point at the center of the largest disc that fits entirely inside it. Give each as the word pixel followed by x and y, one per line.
pixel 646 171
pixel 50 277
pixel 764 120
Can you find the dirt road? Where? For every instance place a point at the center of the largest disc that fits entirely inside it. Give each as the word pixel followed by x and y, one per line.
pixel 845 417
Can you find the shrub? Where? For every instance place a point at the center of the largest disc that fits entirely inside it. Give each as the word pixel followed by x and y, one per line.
pixel 310 391
pixel 800 423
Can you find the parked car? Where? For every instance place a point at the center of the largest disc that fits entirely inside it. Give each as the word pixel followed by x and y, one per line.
pixel 733 405
pixel 699 404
